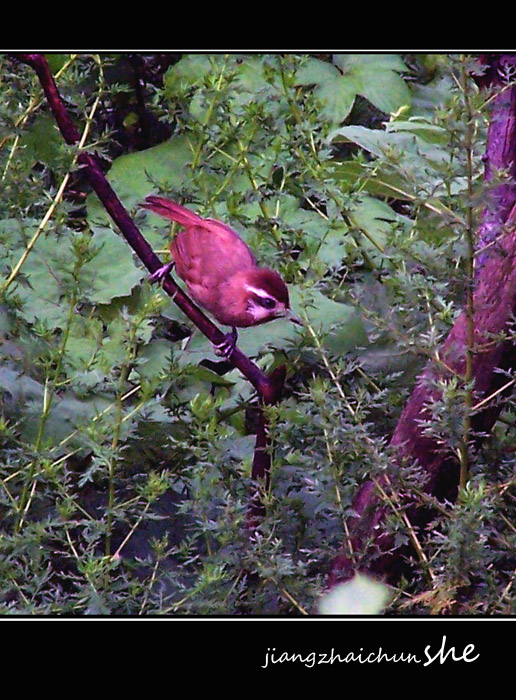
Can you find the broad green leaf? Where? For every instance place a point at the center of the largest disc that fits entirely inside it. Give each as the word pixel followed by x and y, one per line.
pixel 422 128
pixel 403 142
pixel 113 271
pixel 340 324
pixel 42 142
pixel 375 141
pixel 379 61
pixel 308 222
pixel 419 161
pixel 134 176
pixel 385 89
pixel 333 249
pixel 375 219
pixel 374 76
pixel 85 338
pixel 336 93
pixel 377 78
pixel 47 273
pixel 257 79
pixel 372 179
pixel 427 98
pixel 67 411
pixel 57 60
pixel 191 71
pixel 154 359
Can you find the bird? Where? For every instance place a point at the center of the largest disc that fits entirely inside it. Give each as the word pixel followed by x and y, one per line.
pixel 221 272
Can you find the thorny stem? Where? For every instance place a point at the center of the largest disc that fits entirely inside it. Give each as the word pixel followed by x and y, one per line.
pixel 119 420
pixel 131 532
pixel 370 447
pixel 200 143
pixel 113 457
pixel 392 501
pixel 150 585
pixel 338 497
pixel 464 456
pixel 48 397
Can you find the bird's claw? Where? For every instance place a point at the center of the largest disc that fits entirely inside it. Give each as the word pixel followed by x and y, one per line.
pixel 160 274
pixel 226 348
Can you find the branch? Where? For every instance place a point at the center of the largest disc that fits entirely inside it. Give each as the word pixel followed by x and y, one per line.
pixel 269 388
pixel 494 304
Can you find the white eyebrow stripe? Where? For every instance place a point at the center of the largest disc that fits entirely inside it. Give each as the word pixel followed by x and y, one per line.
pixel 259 292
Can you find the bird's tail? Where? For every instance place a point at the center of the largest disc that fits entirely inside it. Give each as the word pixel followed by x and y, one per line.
pixel 170 210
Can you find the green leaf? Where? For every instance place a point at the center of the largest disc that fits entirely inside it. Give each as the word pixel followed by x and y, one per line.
pixel 419 155
pixel 84 339
pixel 67 412
pixel 362 595
pixel 47 273
pixel 134 176
pixel 257 79
pixel 57 60
pixel 375 141
pixel 42 142
pixel 379 61
pixel 113 271
pixel 432 133
pixel 375 220
pixel 405 145
pixel 190 71
pixel 340 324
pixel 154 359
pixel 371 179
pixel 374 76
pixel 337 94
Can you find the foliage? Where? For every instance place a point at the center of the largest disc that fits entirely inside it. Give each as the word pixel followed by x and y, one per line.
pixel 126 447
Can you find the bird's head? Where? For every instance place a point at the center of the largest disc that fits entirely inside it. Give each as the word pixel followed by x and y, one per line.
pixel 267 296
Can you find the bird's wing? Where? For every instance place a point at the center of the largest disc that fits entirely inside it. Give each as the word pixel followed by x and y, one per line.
pixel 210 248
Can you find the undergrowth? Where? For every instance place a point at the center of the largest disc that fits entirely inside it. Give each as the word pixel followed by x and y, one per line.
pixel 126 446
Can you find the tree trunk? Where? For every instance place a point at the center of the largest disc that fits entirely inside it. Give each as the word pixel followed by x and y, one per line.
pixel 494 304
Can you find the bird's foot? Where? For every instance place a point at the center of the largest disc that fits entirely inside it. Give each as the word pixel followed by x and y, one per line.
pixel 160 274
pixel 226 348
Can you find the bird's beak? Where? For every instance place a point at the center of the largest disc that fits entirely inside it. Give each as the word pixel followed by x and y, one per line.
pixel 293 319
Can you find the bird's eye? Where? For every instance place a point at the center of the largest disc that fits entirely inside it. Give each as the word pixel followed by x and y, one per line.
pixel 267 303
